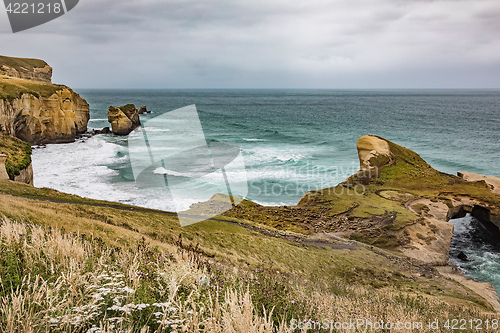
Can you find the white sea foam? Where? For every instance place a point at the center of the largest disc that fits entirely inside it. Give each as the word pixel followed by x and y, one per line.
pixel 78 168
pixel 271 154
pixel 82 168
pixel 253 140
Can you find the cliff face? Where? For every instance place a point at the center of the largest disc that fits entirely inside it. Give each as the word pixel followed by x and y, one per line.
pixel 35 110
pixel 398 201
pixel 43 74
pixel 39 120
pixel 26 68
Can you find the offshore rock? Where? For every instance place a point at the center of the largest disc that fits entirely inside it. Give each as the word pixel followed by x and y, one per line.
pixel 123 119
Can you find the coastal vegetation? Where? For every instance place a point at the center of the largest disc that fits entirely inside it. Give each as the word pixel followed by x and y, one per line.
pixel 73 264
pixel 22 63
pixel 11 88
pixel 18 154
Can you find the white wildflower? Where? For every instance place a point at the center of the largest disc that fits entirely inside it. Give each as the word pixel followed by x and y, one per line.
pixel 128 290
pixel 94 329
pixel 205 282
pixel 162 305
pixel 141 306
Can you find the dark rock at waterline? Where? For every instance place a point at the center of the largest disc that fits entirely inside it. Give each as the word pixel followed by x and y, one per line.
pixel 144 110
pixel 105 130
pixel 462 256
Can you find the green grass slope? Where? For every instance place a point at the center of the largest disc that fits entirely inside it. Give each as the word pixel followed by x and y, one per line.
pixel 11 88
pixel 22 63
pixel 292 279
pixel 374 212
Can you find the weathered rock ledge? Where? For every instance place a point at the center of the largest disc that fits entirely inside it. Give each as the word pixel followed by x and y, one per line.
pixel 123 119
pixel 399 202
pixel 26 68
pixel 35 110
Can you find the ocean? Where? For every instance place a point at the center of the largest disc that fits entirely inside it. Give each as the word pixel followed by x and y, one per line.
pixel 292 141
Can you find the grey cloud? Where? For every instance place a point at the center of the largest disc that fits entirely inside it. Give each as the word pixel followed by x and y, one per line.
pixel 227 43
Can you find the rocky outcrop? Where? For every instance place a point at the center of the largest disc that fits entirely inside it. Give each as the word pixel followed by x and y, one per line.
pixel 123 119
pixel 25 175
pixel 105 130
pixel 43 74
pixel 3 171
pixel 57 118
pixel 35 110
pixel 406 206
pixel 26 68
pixel 493 182
pixel 144 110
pixel 374 154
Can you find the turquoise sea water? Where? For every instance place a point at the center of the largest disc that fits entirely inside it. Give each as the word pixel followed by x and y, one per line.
pixel 481 248
pixel 291 140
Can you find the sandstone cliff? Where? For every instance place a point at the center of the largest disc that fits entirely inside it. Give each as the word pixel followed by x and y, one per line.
pixel 35 110
pixel 123 119
pixel 25 68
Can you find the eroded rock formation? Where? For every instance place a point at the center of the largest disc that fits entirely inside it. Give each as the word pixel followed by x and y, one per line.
pixel 57 118
pixel 373 152
pixel 493 182
pixel 25 175
pixel 123 119
pixel 144 110
pixel 35 110
pixel 25 68
pixel 406 205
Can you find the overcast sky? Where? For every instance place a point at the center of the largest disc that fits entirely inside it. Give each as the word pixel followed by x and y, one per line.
pixel 268 44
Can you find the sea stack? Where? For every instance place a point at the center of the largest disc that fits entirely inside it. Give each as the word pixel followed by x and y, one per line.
pixel 144 110
pixel 123 119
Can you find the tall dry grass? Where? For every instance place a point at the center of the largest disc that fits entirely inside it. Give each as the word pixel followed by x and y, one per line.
pixel 53 281
pixel 70 283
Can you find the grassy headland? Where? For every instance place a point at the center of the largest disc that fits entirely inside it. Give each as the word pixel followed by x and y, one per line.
pixel 22 63
pixel 73 265
pixel 373 212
